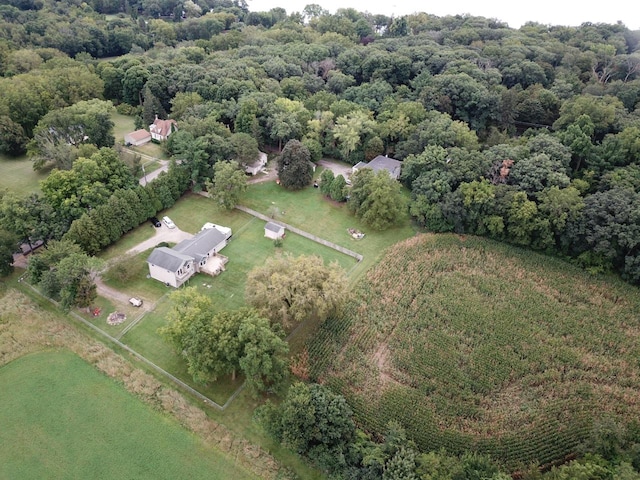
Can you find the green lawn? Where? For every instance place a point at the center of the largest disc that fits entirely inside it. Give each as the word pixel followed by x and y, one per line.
pixel 309 210
pixel 153 150
pixel 192 211
pixel 123 124
pixel 129 240
pixel 247 249
pixel 63 419
pixel 17 175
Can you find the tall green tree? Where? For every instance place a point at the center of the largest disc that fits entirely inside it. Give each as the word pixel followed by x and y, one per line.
pixel 294 166
pixel 338 189
pixel 60 134
pixel 326 179
pixel 314 422
pixel 263 358
pixel 229 182
pixel 8 245
pixel 12 137
pixel 151 107
pixel 608 231
pixel 220 344
pixel 62 271
pixel 376 199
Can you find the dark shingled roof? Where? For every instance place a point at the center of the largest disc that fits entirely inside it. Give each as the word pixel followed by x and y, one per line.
pixel 167 258
pixel 201 243
pixel 274 227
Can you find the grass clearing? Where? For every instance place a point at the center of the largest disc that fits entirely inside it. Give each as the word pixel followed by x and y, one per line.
pixel 129 240
pixel 152 150
pixel 17 175
pixel 123 124
pixel 247 249
pixel 30 324
pixel 63 419
pixel 472 344
pixel 310 211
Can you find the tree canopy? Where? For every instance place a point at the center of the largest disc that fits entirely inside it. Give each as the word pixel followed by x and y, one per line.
pixel 294 166
pixel 223 343
pixel 229 182
pixel 289 290
pixel 376 198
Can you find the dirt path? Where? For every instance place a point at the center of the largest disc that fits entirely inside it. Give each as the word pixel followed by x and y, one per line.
pixel 338 168
pixel 113 294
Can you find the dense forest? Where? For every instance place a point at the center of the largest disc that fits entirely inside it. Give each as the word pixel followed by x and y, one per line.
pixel 530 136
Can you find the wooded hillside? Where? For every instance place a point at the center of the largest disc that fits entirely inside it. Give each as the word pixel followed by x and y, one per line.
pixel 529 136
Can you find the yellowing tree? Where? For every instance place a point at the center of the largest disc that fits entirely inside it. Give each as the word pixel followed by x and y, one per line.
pixel 289 289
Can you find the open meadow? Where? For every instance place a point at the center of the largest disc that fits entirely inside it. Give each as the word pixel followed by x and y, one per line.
pixel 472 344
pixel 122 124
pixel 62 419
pixel 73 408
pixel 17 175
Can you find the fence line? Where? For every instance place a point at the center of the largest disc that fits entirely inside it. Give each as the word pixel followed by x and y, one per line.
pixel 144 359
pixel 302 233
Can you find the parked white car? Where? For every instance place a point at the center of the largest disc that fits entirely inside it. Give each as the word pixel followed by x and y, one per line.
pixel 136 302
pixel 168 222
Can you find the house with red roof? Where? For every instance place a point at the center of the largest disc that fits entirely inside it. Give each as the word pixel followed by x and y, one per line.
pixel 161 129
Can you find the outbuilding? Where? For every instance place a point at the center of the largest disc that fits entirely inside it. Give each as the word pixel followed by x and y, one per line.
pixel 273 231
pixel 137 138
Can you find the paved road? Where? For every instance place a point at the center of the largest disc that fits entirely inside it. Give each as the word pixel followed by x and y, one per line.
pixel 150 176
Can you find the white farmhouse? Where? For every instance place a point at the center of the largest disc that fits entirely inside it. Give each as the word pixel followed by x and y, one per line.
pixel 201 253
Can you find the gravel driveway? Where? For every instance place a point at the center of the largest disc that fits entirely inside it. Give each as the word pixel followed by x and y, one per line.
pixel 162 234
pixel 338 168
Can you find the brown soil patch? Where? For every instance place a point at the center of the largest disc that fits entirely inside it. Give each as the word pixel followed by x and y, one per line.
pixel 381 360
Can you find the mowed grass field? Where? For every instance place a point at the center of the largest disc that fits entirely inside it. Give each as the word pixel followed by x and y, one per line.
pixel 122 124
pixel 310 211
pixel 29 324
pixel 472 344
pixel 17 175
pixel 63 419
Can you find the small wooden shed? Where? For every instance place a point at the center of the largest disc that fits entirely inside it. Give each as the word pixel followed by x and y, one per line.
pixel 273 231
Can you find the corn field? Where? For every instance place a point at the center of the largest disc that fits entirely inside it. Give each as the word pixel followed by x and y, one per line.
pixel 474 345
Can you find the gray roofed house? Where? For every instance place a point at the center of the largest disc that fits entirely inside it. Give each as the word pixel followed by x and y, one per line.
pixel 202 244
pixel 174 266
pixel 381 162
pixel 168 258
